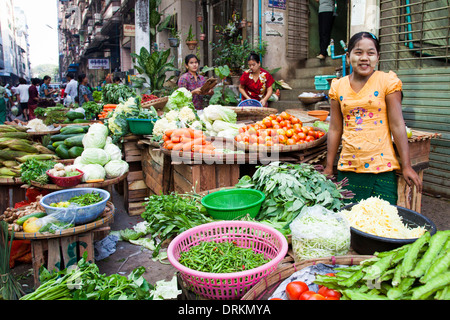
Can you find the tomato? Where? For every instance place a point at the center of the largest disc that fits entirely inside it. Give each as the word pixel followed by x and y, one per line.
pixel 332 298
pixel 261 140
pixel 290 133
pixel 290 142
pixel 295 120
pixel 245 138
pixel 309 138
pixel 275 139
pixel 316 296
pixel 253 139
pixel 267 123
pixel 242 129
pixel 312 133
pixel 282 139
pixel 324 291
pixel 306 295
pixel 282 123
pixel 281 132
pixel 331 274
pixel 285 115
pixel 295 137
pixel 276 299
pixel 273 116
pixel 276 126
pixel 320 134
pixel 294 289
pixel 269 143
pixel 252 131
pixel 301 136
pixel 271 132
pixel 305 130
pixel 238 138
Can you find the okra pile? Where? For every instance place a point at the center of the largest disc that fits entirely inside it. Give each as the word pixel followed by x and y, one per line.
pixel 416 271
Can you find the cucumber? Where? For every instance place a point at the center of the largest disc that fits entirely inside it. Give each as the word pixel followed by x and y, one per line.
pixel 50 147
pixel 75 141
pixel 62 137
pixel 72 130
pixel 72 115
pixel 75 152
pixel 56 144
pixel 21 220
pixel 62 151
pixel 80 121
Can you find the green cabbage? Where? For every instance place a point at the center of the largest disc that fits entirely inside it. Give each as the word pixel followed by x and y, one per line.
pixel 94 140
pixel 93 172
pixel 114 151
pixel 99 128
pixel 95 156
pixel 178 99
pixel 116 168
pixel 217 112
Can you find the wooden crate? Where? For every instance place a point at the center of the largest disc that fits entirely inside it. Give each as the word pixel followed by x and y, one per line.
pixel 10 194
pixel 157 170
pixel 135 189
pixel 62 252
pixel 202 177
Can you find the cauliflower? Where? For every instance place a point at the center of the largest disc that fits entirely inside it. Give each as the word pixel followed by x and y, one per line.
pixel 162 125
pixel 59 166
pixel 186 114
pixel 171 115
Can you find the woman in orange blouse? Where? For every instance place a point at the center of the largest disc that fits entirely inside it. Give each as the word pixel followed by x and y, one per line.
pixel 365 110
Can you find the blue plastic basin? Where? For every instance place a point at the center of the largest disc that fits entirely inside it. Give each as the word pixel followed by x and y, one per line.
pixel 79 215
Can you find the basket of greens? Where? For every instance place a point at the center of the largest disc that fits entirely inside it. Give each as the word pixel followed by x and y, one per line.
pixel 77 205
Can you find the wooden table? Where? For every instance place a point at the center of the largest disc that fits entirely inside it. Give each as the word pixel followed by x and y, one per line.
pixel 56 251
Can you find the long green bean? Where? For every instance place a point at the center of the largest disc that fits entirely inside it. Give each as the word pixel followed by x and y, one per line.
pixel 221 257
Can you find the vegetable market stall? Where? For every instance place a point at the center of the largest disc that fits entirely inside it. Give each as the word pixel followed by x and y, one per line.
pixel 11 192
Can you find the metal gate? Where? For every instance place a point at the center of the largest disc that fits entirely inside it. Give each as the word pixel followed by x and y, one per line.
pixel 415 43
pixel 298 31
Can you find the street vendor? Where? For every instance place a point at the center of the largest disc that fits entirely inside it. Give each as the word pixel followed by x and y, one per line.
pixel 193 81
pixel 365 109
pixel 256 83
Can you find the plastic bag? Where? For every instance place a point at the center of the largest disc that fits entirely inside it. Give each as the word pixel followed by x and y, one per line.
pixel 58 221
pixel 318 232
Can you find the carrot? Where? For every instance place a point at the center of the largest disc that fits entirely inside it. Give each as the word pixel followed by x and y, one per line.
pixel 177 146
pixel 188 146
pixel 184 139
pixel 169 145
pixel 169 132
pixel 176 139
pixel 166 138
pixel 199 141
pixel 197 148
pixel 181 132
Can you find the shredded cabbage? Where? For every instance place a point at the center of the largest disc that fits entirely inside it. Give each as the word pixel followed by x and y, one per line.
pixel 318 232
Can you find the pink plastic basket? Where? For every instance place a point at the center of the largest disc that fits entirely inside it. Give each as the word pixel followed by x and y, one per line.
pixel 226 286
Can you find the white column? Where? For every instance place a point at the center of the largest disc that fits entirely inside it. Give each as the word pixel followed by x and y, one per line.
pixel 142 25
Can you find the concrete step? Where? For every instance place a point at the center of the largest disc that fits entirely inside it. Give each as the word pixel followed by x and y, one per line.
pixel 315 63
pixel 314 71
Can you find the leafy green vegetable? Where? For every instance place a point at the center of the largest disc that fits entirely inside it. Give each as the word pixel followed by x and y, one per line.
pixel 116 93
pixel 170 215
pixel 86 199
pixel 35 170
pixel 85 282
pixel 321 125
pixel 289 187
pixel 92 109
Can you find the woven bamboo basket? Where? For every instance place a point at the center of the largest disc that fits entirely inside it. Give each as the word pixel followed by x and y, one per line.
pixel 105 218
pixel 102 184
pixel 283 148
pixel 158 104
pixel 265 287
pixel 252 113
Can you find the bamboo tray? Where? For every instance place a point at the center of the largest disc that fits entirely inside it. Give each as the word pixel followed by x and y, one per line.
pixel 264 288
pixel 158 104
pixel 252 113
pixel 106 217
pixel 102 184
pixel 283 148
pixel 10 181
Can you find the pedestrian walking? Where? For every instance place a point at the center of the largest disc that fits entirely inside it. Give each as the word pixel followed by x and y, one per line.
pixel 84 91
pixel 33 97
pixel 22 97
pixel 327 12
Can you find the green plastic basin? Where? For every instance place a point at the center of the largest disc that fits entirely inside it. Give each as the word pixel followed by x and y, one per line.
pixel 232 204
pixel 141 126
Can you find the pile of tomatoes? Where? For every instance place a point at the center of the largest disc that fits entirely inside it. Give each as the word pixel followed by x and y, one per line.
pixel 298 290
pixel 277 130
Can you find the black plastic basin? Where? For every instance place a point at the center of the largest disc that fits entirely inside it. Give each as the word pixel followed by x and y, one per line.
pixel 368 244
